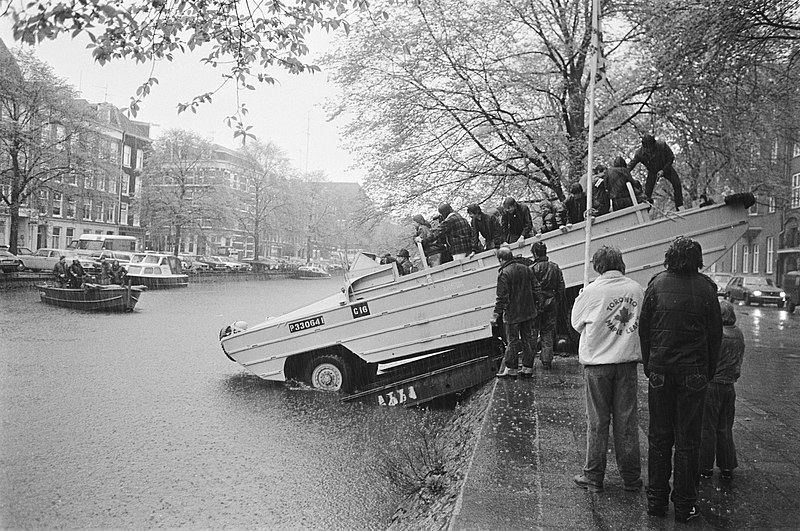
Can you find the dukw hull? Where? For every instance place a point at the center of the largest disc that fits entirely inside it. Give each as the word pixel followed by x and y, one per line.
pixel 92 297
pixel 381 318
pixel 160 281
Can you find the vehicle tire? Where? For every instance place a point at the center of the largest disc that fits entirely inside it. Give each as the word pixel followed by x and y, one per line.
pixel 790 307
pixel 746 299
pixel 329 373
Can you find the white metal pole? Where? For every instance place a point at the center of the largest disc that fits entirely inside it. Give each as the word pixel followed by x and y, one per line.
pixel 590 158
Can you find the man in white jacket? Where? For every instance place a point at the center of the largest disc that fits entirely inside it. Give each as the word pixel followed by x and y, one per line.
pixel 606 313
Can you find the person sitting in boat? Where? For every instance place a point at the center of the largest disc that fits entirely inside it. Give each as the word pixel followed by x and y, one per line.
pixel 105 271
pixel 576 203
pixel 404 265
pixel 617 178
pixel 117 273
pixel 516 221
pixel 61 272
pixel 432 246
pixel 455 231
pixel 76 274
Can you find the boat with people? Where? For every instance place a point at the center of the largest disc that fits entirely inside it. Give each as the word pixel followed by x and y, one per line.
pixel 92 297
pixel 312 271
pixel 157 271
pixel 381 321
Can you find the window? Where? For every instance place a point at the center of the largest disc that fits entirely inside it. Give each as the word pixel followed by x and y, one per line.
pixel 70 235
pixel 87 209
pixel 795 191
pixel 71 206
pixel 97 212
pixel 734 260
pixel 123 213
pixel 124 184
pixel 753 211
pixel 71 178
pixel 126 156
pixel 773 156
pixel 770 254
pixel 756 258
pixel 114 152
pixel 139 159
pixel 745 259
pixel 108 212
pixel 101 183
pixel 796 150
pixel 55 239
pixel 771 205
pixel 43 202
pixel 57 204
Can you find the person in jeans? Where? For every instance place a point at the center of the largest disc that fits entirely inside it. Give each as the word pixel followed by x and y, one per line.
pixel 657 157
pixel 720 409
pixel 680 329
pixel 549 289
pixel 606 313
pixel 517 307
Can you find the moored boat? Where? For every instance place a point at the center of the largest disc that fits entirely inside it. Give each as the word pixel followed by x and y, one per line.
pixel 382 319
pixel 92 297
pixel 311 271
pixel 157 271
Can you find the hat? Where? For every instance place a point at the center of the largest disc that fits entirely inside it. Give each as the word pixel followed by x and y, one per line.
pixel 403 252
pixel 61 257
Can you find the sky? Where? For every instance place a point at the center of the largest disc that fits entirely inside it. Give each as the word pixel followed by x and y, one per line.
pixel 289 113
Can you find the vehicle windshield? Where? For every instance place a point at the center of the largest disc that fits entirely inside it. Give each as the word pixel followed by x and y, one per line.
pixel 760 282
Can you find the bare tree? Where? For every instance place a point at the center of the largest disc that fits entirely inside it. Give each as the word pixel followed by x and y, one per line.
pixel 45 133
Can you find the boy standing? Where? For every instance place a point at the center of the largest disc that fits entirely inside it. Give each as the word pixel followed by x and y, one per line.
pixel 720 407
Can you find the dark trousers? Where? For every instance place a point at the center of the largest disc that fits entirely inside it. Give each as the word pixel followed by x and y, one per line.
pixel 611 396
pixel 676 419
pixel 674 180
pixel 717 438
pixel 546 330
pixel 520 338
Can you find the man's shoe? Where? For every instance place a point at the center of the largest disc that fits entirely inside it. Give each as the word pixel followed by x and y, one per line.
pixel 657 510
pixel 511 374
pixel 706 474
pixel 726 475
pixel 683 518
pixel 526 372
pixel 584 483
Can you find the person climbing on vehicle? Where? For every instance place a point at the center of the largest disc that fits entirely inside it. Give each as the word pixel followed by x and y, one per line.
pixel 657 157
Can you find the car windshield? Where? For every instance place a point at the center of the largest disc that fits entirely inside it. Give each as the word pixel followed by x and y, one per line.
pixel 759 283
pixel 5 253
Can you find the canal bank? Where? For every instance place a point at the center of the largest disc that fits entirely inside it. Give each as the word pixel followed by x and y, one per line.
pixel 529 441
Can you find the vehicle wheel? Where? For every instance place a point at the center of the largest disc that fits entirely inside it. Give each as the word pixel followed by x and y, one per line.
pixel 746 299
pixel 790 307
pixel 329 373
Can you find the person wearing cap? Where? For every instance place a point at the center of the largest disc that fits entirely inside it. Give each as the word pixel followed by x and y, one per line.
pixel 76 274
pixel 403 262
pixel 657 157
pixel 549 288
pixel 61 272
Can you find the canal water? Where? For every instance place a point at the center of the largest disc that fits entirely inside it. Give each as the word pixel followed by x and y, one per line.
pixel 133 421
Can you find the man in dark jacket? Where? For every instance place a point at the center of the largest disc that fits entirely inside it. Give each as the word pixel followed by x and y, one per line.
pixel 61 272
pixel 76 274
pixel 617 178
pixel 516 221
pixel 516 305
pixel 680 328
pixel 657 157
pixel 487 225
pixel 576 203
pixel 549 289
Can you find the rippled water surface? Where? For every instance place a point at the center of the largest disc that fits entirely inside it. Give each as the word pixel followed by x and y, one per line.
pixel 139 420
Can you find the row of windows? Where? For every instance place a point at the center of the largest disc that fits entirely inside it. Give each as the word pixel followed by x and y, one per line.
pixel 91 210
pixel 751 257
pixel 102 183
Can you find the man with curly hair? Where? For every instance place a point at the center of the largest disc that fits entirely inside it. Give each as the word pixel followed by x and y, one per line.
pixel 680 328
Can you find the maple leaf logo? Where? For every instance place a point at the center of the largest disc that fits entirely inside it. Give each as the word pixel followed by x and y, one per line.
pixel 623 316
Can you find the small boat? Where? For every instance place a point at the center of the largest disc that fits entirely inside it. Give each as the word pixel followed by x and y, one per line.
pixel 157 271
pixel 312 271
pixel 92 297
pixel 381 322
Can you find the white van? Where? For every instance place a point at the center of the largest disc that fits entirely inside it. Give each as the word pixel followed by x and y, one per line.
pixel 99 242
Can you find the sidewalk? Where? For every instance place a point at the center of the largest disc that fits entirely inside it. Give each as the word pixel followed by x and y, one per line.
pixel 533 442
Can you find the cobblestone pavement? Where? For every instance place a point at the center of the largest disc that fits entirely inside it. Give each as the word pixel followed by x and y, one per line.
pixel 533 443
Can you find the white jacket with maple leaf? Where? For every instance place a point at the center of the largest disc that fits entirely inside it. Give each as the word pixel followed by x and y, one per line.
pixel 606 313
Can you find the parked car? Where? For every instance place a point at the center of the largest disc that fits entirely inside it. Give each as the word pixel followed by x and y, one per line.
pixel 45 259
pixel 122 257
pixel 223 263
pixel 191 263
pixel 10 262
pixel 754 289
pixel 721 280
pixel 21 251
